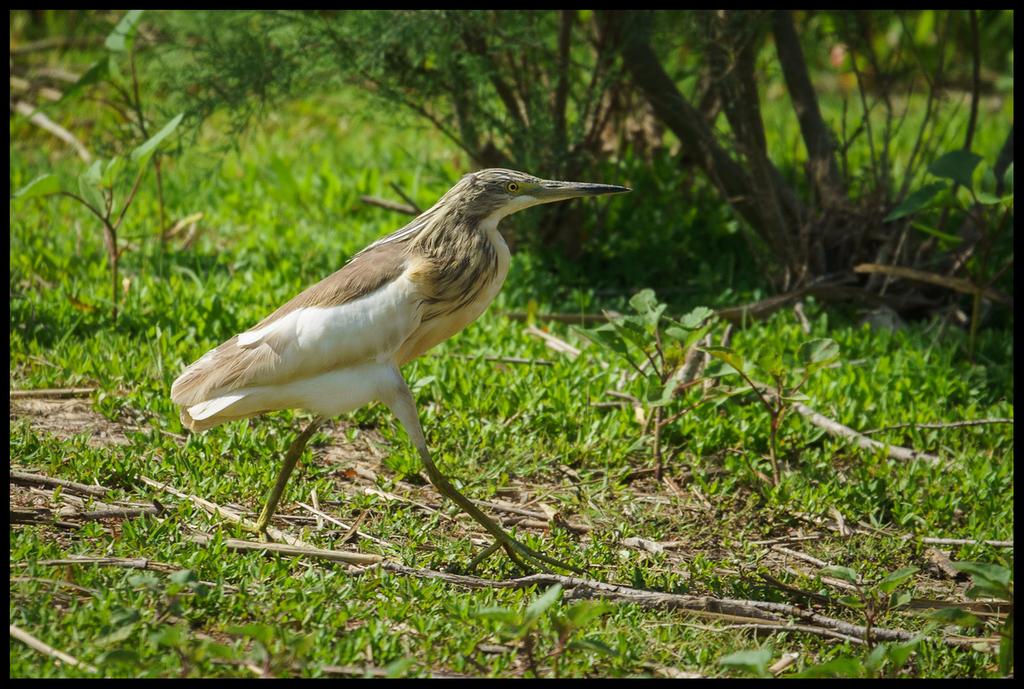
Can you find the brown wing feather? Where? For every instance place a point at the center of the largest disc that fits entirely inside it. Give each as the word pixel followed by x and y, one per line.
pixel 230 367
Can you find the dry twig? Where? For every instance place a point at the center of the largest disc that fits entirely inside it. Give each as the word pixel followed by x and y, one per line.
pixel 37 645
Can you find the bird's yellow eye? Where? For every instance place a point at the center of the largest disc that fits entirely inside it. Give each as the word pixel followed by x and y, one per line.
pixel 512 187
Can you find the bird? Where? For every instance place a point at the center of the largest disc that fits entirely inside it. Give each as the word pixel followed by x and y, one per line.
pixel 340 344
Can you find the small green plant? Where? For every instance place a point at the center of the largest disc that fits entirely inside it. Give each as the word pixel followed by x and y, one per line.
pixel 103 191
pixel 988 581
pixel 752 661
pixel 873 598
pixel 786 381
pixel 108 187
pixel 656 348
pixel 986 217
pixel 525 627
pixel 884 660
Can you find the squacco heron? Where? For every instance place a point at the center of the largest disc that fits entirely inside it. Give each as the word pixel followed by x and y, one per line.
pixel 341 343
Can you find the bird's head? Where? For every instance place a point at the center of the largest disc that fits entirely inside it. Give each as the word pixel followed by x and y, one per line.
pixel 496 192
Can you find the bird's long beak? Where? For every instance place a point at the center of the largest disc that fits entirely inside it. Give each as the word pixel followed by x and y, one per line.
pixel 550 191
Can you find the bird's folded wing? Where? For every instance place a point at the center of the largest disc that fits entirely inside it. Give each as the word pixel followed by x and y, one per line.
pixel 361 313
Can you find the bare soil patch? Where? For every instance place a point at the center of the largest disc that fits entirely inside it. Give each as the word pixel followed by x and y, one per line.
pixel 67 418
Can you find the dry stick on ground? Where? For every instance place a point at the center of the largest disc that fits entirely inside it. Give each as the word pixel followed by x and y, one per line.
pixel 500 359
pixel 587 588
pixel 26 479
pixel 389 205
pixel 359 559
pixel 353 528
pixel 125 562
pixel 859 439
pixel 109 513
pixel 37 645
pixel 555 343
pixel 950 424
pixel 224 512
pixel 963 541
pixel 43 122
pixel 51 393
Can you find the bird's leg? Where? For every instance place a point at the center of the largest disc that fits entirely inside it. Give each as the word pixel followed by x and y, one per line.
pixel 403 406
pixel 290 460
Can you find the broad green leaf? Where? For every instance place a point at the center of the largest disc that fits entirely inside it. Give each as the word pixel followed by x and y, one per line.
pixel 1006 648
pixel 957 616
pixel 499 614
pixel 631 329
pixel 726 355
pixel 843 666
pixel 112 171
pixel 696 317
pixel 770 362
pixel 263 633
pixel 894 580
pixel 123 35
pixel 606 336
pixel 754 661
pixel 118 656
pixel 957 166
pixel 931 231
pixel 1008 178
pixel 173 636
pixel 900 599
pixel 916 201
pixel 183 576
pixel 644 301
pixel 589 643
pixel 818 353
pixel 398 667
pixel 900 653
pixel 840 572
pixel 116 636
pixel 542 603
pixel 986 570
pixel 659 394
pixel 94 74
pixel 43 185
pixel 852 602
pixel 142 154
pixel 987 199
pixel 88 186
pixel 585 611
pixel 876 658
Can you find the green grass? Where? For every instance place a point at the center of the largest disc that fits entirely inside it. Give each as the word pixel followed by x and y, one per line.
pixel 283 212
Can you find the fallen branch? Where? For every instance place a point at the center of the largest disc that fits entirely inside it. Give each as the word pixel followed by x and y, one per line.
pixel 224 512
pixel 57 393
pixel 964 541
pixel 353 528
pixel 957 284
pixel 26 479
pixel 389 205
pixel 43 122
pixel 554 343
pixel 126 562
pixel 951 424
pixel 109 513
pixel 238 545
pixel 570 318
pixel 837 429
pixel 37 645
pixel 504 359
